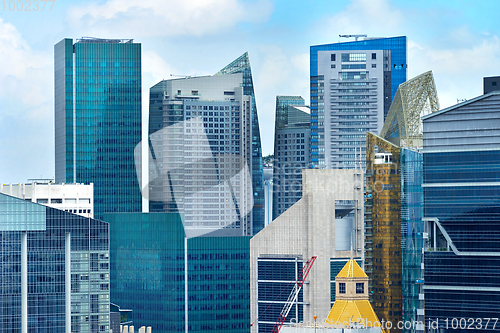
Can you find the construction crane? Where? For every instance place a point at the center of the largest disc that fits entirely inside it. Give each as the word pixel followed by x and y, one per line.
pixel 293 295
pixel 355 36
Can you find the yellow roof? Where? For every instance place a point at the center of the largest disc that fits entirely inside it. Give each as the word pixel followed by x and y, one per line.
pixel 344 312
pixel 352 269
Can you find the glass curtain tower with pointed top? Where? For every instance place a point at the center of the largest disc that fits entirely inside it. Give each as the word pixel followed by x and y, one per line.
pixel 98 119
pixel 242 65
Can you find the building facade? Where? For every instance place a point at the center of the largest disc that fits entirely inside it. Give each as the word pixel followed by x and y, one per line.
pixel 74 198
pixel 98 119
pixel 352 87
pixel 314 226
pixel 242 65
pixel 54 270
pixel 201 152
pixel 291 151
pixel 178 284
pixel 461 188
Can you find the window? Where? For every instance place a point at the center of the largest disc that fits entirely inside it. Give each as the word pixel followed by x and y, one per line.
pixel 341 288
pixel 333 58
pixel 374 56
pixel 333 65
pixel 494 83
pixel 59 201
pixel 374 65
pixel 360 288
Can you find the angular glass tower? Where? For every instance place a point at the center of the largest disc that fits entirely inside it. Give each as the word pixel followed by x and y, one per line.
pixel 242 65
pixel 98 119
pixel 360 79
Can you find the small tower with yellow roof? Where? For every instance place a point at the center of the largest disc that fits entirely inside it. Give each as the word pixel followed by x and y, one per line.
pixel 352 307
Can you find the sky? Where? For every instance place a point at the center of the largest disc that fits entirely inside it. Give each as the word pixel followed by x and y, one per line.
pixel 458 40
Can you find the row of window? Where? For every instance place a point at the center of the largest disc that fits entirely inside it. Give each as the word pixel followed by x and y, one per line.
pixel 360 288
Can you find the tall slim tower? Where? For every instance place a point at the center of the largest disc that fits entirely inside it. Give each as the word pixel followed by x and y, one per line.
pixel 360 79
pixel 291 151
pixel 98 119
pixel 242 65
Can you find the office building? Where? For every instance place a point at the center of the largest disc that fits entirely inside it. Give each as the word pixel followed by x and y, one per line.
pixel 393 205
pixel 98 119
pixel 201 152
pixel 352 87
pixel 54 270
pixel 268 194
pixel 291 151
pixel 74 198
pixel 242 65
pixel 490 84
pixel 461 188
pixel 178 284
pixel 314 226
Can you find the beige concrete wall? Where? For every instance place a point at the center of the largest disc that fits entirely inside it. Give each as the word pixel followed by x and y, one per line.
pixel 308 228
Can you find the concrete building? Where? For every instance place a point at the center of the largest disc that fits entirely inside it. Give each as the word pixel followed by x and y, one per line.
pixel 74 198
pixel 315 225
pixel 461 189
pixel 54 270
pixel 352 87
pixel 291 151
pixel 201 152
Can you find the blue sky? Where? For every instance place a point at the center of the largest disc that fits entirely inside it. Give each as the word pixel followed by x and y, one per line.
pixel 458 40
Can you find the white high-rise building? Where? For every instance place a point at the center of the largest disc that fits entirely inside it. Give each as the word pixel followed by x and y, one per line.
pixel 201 152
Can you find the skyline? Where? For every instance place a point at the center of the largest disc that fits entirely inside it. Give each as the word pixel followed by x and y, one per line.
pixel 457 40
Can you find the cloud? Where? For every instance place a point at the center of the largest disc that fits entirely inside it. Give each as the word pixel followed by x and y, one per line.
pixel 364 17
pixel 26 104
pixel 458 71
pixel 26 75
pixel 166 17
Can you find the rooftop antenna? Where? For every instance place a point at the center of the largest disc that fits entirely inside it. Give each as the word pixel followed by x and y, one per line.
pixel 355 36
pixel 351 245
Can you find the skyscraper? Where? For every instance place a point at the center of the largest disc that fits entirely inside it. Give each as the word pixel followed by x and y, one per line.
pixel 178 284
pixel 98 119
pixel 360 79
pixel 201 152
pixel 461 189
pixel 242 65
pixel 291 151
pixel 54 270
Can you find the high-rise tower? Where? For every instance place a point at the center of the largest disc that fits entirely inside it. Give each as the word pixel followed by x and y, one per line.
pixel 242 65
pixel 98 119
pixel 352 86
pixel 291 151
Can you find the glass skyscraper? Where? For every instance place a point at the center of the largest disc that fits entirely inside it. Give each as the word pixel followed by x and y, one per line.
pixel 54 270
pixel 178 284
pixel 291 151
pixel 98 119
pixel 461 188
pixel 242 65
pixel 352 86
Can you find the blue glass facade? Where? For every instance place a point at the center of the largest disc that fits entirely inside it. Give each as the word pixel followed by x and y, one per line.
pixel 98 119
pixel 242 65
pixel 47 232
pixel 342 101
pixel 149 257
pixel 412 229
pixel 462 273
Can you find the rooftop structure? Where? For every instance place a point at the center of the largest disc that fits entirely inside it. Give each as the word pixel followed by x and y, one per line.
pixel 74 198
